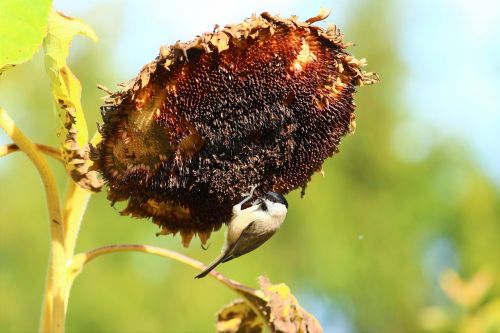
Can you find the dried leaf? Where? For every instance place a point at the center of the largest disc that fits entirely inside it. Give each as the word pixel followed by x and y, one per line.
pixel 238 317
pixel 285 314
pixel 275 303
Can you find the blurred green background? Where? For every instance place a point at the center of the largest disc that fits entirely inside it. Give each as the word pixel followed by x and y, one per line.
pixel 414 192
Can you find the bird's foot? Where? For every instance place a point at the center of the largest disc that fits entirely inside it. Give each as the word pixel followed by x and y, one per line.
pixel 248 196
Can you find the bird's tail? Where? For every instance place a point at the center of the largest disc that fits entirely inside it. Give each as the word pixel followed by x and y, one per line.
pixel 210 267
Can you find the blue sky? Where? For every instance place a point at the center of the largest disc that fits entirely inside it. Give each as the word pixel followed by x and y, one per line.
pixel 452 52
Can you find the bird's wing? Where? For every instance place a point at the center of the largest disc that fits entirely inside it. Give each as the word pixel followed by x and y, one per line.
pixel 252 240
pixel 227 255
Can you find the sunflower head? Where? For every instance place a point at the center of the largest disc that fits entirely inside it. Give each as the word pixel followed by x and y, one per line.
pixel 262 102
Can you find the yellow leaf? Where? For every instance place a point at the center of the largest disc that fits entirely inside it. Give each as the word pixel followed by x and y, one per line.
pixel 486 319
pixel 466 293
pixel 66 91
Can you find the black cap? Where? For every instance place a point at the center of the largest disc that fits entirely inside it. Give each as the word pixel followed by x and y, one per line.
pixel 276 197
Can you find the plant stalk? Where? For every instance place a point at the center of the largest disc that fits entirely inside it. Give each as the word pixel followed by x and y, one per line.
pixel 53 312
pixel 81 259
pixel 48 150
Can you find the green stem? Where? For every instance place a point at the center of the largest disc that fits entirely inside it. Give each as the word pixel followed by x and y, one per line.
pixel 81 259
pixel 53 304
pixel 48 150
pixel 75 205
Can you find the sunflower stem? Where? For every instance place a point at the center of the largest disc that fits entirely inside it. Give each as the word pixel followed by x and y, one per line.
pixel 53 308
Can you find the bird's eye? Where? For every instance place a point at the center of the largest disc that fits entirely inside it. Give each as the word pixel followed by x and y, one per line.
pixel 263 206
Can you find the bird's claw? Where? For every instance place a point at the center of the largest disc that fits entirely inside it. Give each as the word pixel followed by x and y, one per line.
pixel 250 194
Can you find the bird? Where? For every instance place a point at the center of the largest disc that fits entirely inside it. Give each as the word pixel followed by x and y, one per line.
pixel 251 227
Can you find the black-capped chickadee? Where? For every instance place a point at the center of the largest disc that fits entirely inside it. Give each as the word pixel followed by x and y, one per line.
pixel 249 228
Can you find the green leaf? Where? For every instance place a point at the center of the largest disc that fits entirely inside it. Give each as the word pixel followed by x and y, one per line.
pixel 23 24
pixel 67 90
